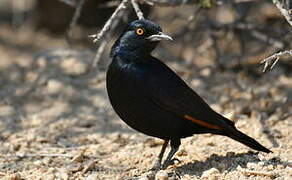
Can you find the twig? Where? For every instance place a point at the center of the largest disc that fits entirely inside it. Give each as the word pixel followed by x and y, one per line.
pixel 74 19
pixel 259 173
pixel 108 25
pixel 265 38
pixel 254 32
pixel 137 9
pixel 38 155
pixel 89 166
pixel 180 2
pixel 283 11
pixel 99 53
pixel 69 2
pixel 42 155
pixel 272 60
pixel 171 2
pixel 105 40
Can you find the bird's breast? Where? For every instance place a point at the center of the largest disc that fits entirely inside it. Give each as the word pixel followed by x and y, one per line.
pixel 131 95
pixel 124 84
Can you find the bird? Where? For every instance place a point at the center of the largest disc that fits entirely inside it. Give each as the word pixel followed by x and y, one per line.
pixel 152 99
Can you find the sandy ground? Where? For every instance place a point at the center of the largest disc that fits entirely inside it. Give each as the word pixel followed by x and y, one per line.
pixel 55 126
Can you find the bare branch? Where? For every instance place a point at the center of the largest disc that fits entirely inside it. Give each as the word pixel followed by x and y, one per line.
pixel 180 2
pixel 106 36
pixel 99 53
pixel 108 25
pixel 283 11
pixel 272 60
pixel 265 38
pixel 259 173
pixel 75 18
pixel 137 9
pixel 172 2
pixel 39 155
pixel 72 3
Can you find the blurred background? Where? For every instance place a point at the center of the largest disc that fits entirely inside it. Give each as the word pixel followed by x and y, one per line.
pixel 51 99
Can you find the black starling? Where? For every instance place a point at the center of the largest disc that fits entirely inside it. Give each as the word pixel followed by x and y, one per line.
pixel 151 98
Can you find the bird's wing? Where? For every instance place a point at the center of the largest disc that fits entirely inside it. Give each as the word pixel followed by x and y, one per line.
pixel 171 93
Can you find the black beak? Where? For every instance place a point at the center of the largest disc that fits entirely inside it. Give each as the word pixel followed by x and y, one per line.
pixel 159 37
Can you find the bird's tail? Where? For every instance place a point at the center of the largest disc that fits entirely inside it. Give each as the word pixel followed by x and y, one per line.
pixel 246 140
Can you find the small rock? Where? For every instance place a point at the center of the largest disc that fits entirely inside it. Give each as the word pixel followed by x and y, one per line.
pixel 205 72
pixel 210 173
pixel 38 162
pixel 92 177
pixel 261 163
pixel 15 176
pixel 270 167
pixel 222 167
pixel 54 86
pixel 48 176
pixel 62 174
pixel 74 66
pixel 196 82
pixel 144 178
pixel 51 170
pixel 161 175
pixel 251 165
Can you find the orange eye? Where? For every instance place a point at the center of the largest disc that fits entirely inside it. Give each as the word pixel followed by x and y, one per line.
pixel 139 31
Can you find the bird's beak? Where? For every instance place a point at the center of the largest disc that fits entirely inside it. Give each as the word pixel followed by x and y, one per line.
pixel 159 37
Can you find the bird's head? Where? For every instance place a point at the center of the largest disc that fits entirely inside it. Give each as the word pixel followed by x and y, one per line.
pixel 139 38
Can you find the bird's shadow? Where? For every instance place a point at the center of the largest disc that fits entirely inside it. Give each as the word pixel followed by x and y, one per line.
pixel 228 163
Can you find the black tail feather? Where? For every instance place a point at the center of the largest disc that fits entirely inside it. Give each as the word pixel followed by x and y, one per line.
pixel 248 141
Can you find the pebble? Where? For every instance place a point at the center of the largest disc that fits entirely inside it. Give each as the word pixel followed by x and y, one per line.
pixel 54 86
pixel 144 178
pixel 92 177
pixel 261 163
pixel 205 72
pixel 161 175
pixel 15 176
pixel 222 167
pixel 251 165
pixel 73 66
pixel 210 173
pixel 270 167
pixel 48 176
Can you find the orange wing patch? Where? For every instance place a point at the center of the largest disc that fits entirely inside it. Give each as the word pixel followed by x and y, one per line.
pixel 202 123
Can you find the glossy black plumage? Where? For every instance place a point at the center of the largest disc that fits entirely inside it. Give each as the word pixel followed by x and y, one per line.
pixel 152 99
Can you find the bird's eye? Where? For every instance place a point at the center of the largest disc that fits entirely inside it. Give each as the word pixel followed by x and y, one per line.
pixel 139 31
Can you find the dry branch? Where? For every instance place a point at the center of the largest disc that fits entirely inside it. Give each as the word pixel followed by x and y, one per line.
pixel 75 17
pixel 137 9
pixel 69 2
pixel 272 60
pixel 283 11
pixel 121 8
pixel 259 173
pixel 106 31
pixel 42 155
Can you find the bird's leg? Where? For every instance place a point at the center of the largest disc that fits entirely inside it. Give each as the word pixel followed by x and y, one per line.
pixel 174 147
pixel 157 164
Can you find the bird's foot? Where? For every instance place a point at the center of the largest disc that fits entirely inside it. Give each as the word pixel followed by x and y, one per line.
pixel 170 162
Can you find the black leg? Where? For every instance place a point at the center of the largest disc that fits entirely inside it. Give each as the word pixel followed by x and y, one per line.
pixel 175 143
pixel 157 164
